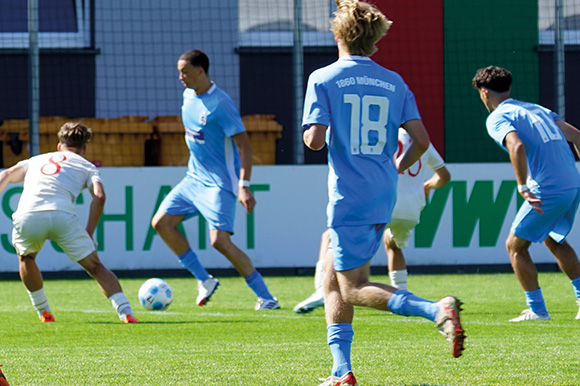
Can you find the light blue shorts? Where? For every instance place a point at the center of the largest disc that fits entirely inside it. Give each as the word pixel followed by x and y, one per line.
pixel 190 198
pixel 559 212
pixel 354 246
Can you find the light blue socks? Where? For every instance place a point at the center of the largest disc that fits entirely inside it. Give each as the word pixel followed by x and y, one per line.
pixel 190 261
pixel 535 301
pixel 405 303
pixel 339 337
pixel 256 282
pixel 576 284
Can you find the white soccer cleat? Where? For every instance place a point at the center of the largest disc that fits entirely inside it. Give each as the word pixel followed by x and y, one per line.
pixel 347 379
pixel 448 323
pixel 314 301
pixel 528 315
pixel 267 304
pixel 206 288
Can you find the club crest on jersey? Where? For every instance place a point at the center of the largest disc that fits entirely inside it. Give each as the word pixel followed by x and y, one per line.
pixel 195 136
pixel 203 119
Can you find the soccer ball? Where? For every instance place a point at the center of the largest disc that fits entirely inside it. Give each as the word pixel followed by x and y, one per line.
pixel 155 294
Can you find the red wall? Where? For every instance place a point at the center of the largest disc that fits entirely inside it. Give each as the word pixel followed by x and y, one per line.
pixel 413 47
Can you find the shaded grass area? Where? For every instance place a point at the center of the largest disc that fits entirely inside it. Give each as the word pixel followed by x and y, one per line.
pixel 228 343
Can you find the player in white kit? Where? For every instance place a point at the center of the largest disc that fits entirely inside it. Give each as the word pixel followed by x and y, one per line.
pixel 46 211
pixel 412 189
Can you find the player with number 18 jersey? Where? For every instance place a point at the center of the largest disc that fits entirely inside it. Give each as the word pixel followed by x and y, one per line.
pixel 368 103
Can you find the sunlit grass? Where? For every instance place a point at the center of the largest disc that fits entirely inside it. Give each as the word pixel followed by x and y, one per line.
pixel 228 343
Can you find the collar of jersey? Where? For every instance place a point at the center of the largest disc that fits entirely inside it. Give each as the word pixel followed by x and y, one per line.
pixel 208 92
pixel 354 57
pixel 505 101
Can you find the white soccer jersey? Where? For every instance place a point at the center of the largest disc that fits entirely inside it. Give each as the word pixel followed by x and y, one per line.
pixel 410 191
pixel 54 180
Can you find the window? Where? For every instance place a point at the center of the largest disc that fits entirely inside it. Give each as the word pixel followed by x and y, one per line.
pixel 62 24
pixel 266 23
pixel 547 17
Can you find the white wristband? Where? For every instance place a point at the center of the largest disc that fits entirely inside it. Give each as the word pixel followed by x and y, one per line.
pixel 244 183
pixel 523 188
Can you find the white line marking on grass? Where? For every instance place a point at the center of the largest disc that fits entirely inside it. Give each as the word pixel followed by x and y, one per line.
pixel 216 314
pixel 107 311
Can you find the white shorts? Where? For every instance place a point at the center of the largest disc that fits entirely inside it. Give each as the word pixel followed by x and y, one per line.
pixel 32 229
pixel 399 230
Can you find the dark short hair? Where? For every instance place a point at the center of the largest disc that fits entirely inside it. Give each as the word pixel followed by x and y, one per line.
pixel 196 58
pixel 74 134
pixel 493 78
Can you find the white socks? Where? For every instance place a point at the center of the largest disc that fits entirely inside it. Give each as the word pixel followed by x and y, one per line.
pixel 39 301
pixel 399 279
pixel 121 305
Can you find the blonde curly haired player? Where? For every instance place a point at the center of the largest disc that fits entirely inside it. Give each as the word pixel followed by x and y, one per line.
pixel 358 106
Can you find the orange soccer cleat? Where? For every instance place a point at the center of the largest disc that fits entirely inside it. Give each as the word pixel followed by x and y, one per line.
pixel 130 319
pixel 46 317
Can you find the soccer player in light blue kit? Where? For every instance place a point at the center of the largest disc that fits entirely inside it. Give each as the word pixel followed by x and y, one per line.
pixel 216 175
pixel 536 140
pixel 363 105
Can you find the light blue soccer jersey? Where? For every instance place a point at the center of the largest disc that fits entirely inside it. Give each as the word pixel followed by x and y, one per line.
pixel 363 104
pixel 551 165
pixel 210 120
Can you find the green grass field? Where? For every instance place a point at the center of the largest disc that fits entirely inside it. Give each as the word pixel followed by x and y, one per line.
pixel 228 343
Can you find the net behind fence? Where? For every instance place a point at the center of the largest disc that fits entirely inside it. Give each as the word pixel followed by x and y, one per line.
pixel 112 65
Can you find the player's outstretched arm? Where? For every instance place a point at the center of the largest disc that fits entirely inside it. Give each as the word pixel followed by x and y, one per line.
pixel 571 134
pixel 97 205
pixel 14 174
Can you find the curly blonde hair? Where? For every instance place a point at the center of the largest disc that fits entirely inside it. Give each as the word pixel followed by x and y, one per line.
pixel 359 26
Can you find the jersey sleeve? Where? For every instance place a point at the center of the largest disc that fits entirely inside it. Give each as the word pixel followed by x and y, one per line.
pixel 230 119
pixel 555 116
pixel 316 104
pixel 434 159
pixel 24 163
pixel 498 126
pixel 410 109
pixel 94 176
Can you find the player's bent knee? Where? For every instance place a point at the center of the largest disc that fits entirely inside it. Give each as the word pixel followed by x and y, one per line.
pixel 91 263
pixel 350 295
pixel 220 240
pixel 158 222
